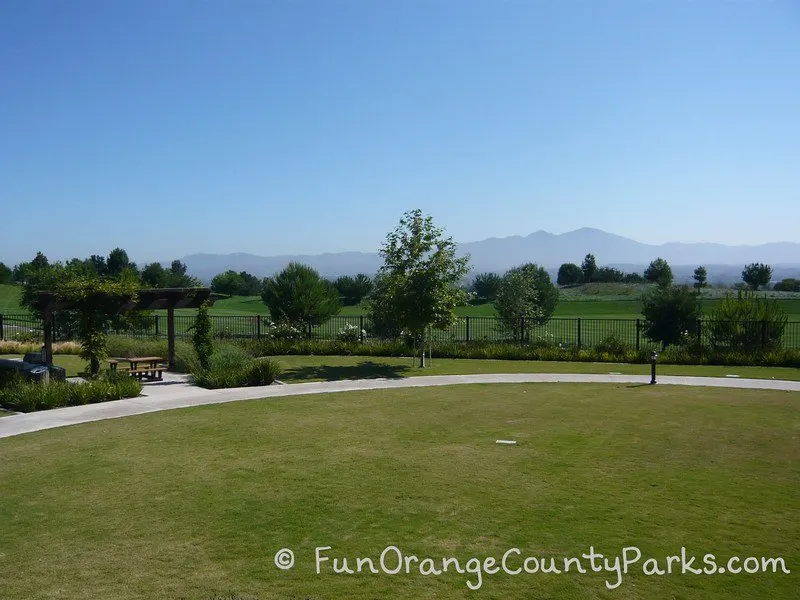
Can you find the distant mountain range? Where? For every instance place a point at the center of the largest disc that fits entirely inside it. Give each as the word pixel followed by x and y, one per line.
pixel 724 263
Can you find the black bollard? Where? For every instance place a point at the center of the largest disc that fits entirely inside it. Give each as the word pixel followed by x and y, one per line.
pixel 653 358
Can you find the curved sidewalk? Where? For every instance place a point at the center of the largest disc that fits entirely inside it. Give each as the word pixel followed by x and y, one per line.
pixel 177 393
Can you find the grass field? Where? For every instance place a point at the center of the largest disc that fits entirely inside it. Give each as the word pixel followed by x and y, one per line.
pixel 330 368
pixel 591 302
pixel 195 503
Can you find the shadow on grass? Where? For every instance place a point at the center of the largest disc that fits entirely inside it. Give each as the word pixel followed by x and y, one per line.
pixel 363 370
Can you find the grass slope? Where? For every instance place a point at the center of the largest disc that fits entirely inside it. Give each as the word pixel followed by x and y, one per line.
pixel 195 503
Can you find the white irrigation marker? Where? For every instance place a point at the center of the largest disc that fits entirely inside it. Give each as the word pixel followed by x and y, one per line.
pixel 511 442
pixel 731 375
pixel 614 373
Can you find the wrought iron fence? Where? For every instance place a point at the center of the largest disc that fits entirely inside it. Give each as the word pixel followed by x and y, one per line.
pixel 573 332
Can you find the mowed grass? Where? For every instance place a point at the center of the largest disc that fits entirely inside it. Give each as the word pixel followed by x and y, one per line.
pixel 195 503
pixel 298 369
pixel 590 302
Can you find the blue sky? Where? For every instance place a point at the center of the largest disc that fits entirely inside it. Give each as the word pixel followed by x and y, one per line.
pixel 174 127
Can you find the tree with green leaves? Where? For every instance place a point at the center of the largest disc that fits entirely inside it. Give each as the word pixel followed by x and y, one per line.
pixel 298 295
pixel 526 297
pixel 118 261
pixel 486 286
pixel 569 274
pixel 589 268
pixel 757 275
pixel 670 312
pixel 353 290
pixel 787 285
pixel 6 274
pixel 700 278
pixel 417 288
pixel 659 272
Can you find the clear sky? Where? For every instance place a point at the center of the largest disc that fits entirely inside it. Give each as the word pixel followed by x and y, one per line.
pixel 170 127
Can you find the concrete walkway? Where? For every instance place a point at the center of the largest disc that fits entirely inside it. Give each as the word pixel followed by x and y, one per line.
pixel 176 392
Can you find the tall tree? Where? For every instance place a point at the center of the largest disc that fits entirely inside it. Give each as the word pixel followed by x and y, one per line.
pixel 486 286
pixel 6 275
pixel 589 268
pixel 117 262
pixel 526 297
pixel 299 295
pixel 757 275
pixel 659 272
pixel 418 285
pixel 569 274
pixel 669 311
pixel 700 277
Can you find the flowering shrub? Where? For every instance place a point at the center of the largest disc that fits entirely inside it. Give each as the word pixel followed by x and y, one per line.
pixel 351 333
pixel 284 331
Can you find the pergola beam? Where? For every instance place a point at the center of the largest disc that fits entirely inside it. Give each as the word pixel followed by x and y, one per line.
pixel 148 299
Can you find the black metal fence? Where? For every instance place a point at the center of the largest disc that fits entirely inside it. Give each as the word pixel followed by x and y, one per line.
pixel 573 332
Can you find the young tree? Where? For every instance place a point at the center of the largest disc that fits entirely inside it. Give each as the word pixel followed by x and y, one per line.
pixel 659 272
pixel 589 268
pixel 486 286
pixel 202 339
pixel 756 275
pixel 526 296
pixel 700 277
pixel 669 311
pixel 299 295
pixel 633 278
pixel 569 274
pixel 417 286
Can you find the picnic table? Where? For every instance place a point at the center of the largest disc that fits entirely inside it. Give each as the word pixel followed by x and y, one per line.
pixel 152 366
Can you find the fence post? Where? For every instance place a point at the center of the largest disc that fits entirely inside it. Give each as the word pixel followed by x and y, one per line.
pixel 156 323
pixel 763 334
pixel 309 329
pixel 361 328
pixel 579 333
pixel 522 330
pixel 638 334
pixel 1 327
pixel 258 327
pixel 467 328
pixel 699 331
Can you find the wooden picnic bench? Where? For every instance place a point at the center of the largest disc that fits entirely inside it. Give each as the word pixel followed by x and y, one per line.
pixel 152 366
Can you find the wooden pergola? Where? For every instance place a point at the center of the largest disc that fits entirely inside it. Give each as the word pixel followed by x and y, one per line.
pixel 148 299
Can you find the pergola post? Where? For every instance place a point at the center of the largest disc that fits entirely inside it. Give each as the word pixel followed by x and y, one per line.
pixel 171 336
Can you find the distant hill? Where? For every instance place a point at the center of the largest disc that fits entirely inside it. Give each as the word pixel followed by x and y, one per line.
pixel 724 263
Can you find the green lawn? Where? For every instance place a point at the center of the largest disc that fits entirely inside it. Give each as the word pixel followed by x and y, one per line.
pixel 195 503
pixel 590 302
pixel 329 368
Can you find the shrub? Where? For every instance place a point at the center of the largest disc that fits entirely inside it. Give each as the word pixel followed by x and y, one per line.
pixel 24 396
pixel 351 333
pixel 612 344
pixel 669 311
pixel 747 322
pixel 233 366
pixel 284 331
